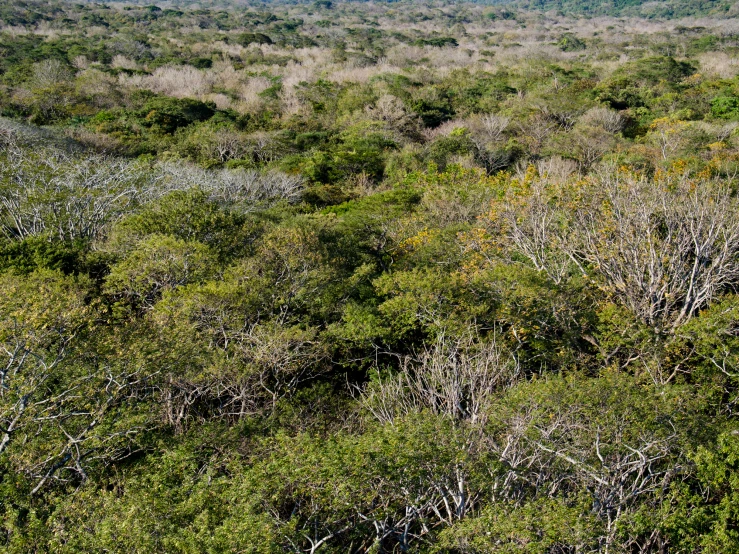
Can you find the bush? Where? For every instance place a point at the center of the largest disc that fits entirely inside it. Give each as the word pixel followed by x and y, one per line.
pixel 169 114
pixel 245 39
pixel 725 107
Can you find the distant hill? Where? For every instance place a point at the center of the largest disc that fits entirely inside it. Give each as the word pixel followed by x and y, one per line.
pixel 644 8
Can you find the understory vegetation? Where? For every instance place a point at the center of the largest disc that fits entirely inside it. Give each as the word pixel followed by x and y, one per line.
pixel 369 277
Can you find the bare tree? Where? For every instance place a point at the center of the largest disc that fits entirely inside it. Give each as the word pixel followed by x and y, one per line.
pixel 391 111
pixel 539 227
pixel 487 133
pixel 70 197
pixel 665 249
pixel 590 144
pixel 536 129
pixel 492 126
pixel 77 196
pixel 607 119
pixel 262 147
pixel 454 378
pixel 245 189
pixel 556 169
pixel 50 72
pixel 228 146
pixel 725 131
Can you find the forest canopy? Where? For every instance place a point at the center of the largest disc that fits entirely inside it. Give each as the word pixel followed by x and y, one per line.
pixel 433 277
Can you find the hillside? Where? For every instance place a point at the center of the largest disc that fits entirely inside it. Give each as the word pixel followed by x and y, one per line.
pixel 367 278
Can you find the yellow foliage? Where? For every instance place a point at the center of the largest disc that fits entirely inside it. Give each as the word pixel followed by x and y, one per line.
pixel 420 239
